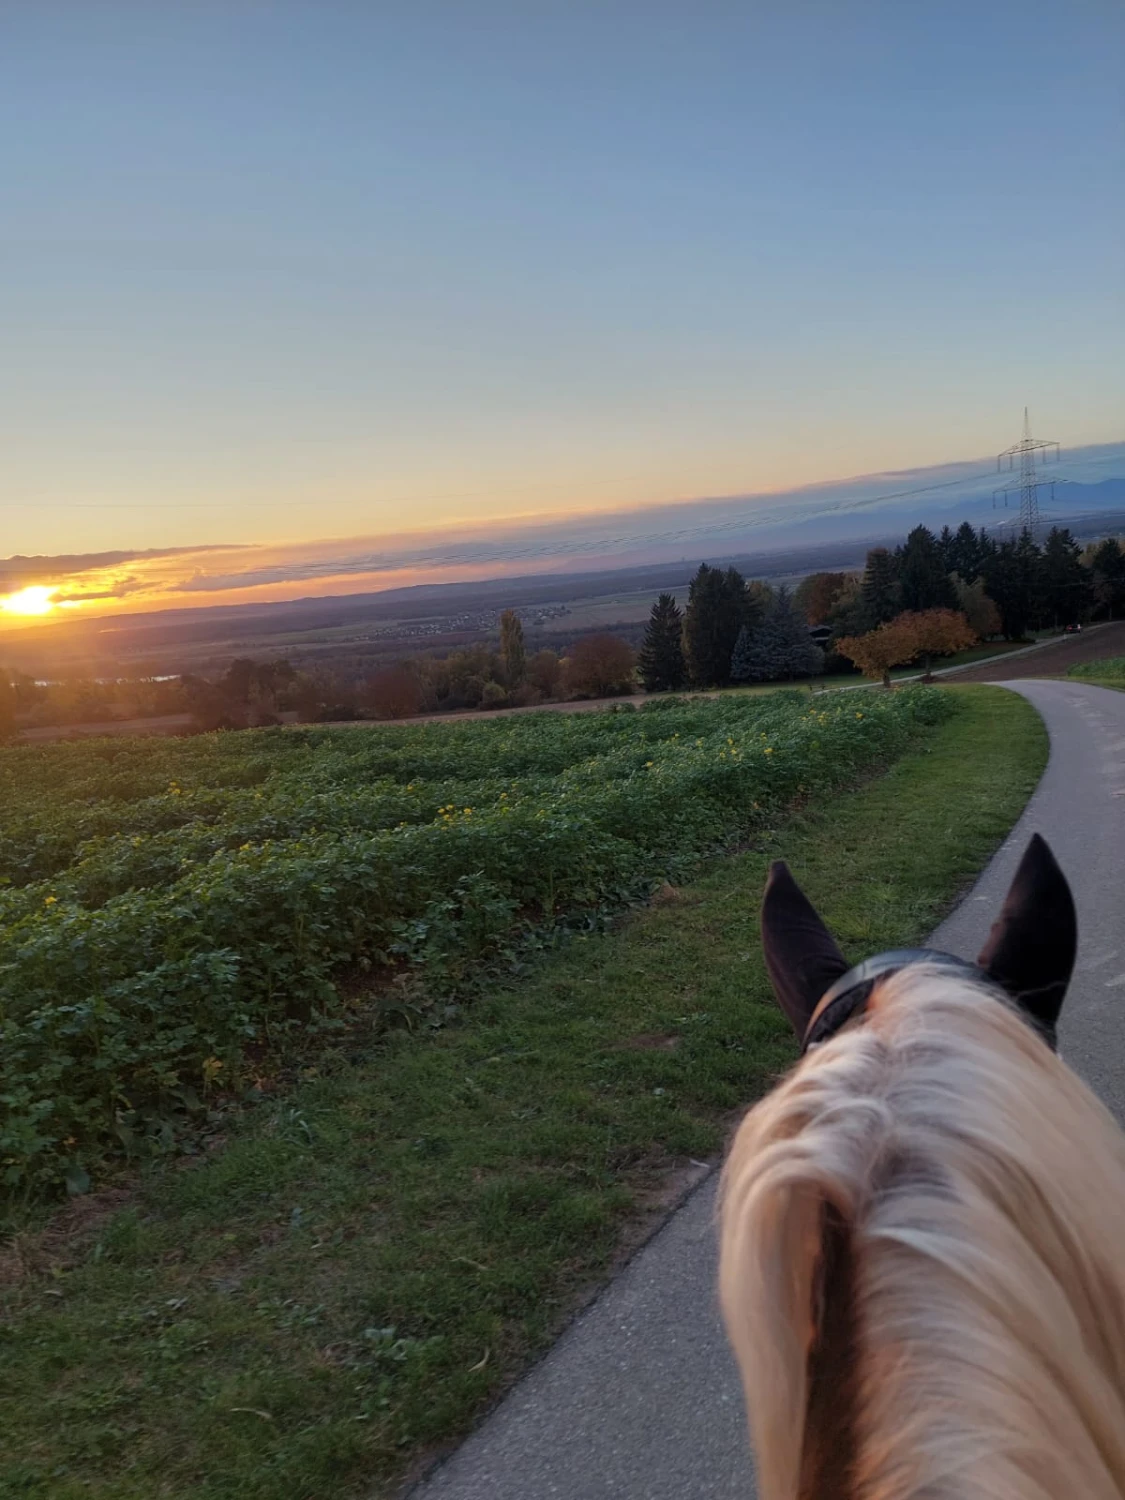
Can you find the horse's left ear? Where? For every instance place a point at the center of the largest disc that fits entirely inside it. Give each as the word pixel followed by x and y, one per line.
pixel 801 954
pixel 1031 949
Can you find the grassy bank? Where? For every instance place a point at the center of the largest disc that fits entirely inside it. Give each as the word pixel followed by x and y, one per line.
pixel 1107 671
pixel 348 1280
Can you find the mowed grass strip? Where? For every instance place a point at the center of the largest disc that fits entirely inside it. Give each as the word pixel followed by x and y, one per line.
pixel 367 1263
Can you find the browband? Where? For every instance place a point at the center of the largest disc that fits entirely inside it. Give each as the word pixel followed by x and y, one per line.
pixel 848 997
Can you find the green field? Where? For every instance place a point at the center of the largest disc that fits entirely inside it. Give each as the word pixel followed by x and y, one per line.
pixel 175 913
pixel 378 1240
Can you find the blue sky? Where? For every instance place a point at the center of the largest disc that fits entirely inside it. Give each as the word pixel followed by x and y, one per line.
pixel 277 272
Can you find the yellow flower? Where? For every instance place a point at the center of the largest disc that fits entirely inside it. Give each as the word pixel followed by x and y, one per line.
pixel 859 716
pixel 648 763
pixel 49 900
pixel 768 750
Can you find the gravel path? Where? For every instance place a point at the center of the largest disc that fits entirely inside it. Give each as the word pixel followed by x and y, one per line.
pixel 639 1400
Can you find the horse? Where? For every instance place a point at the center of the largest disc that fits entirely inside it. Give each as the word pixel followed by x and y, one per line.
pixel 922 1228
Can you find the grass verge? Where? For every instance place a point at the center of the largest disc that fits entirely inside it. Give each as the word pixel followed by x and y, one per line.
pixel 1107 672
pixel 370 1259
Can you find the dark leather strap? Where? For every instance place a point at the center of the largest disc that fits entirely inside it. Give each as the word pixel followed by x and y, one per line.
pixel 848 997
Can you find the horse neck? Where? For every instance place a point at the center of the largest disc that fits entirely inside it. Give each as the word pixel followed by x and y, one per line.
pixel 829 1447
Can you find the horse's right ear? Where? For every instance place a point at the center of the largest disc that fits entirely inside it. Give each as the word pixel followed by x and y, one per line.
pixel 1031 949
pixel 801 955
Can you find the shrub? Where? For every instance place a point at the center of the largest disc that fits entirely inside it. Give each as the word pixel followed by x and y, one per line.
pixel 493 696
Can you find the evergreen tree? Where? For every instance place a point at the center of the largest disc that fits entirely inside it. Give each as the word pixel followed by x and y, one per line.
pixel 779 649
pixel 881 594
pixel 1011 579
pixel 1064 594
pixel 719 605
pixel 946 549
pixel 742 657
pixel 965 554
pixel 923 576
pixel 1107 573
pixel 512 647
pixel 661 661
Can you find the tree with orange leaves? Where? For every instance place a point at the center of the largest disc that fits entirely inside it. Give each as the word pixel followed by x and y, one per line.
pixel 926 633
pixel 941 632
pixel 889 645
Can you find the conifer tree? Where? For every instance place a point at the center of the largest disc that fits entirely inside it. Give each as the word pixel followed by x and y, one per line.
pixel 880 588
pixel 923 576
pixel 719 604
pixel 779 649
pixel 661 661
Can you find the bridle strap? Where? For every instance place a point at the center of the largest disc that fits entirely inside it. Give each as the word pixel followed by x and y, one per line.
pixel 849 996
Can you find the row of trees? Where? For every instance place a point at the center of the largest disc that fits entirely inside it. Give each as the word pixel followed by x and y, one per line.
pixel 731 631
pixel 252 693
pixel 476 677
pixel 1003 588
pixel 597 666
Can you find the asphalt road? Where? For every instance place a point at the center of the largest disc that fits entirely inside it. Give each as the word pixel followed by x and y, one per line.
pixel 639 1399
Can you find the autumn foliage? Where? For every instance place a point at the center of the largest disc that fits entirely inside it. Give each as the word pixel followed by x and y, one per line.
pixel 394 693
pixel 601 666
pixel 922 633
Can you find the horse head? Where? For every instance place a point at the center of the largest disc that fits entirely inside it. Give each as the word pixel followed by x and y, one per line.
pixel 1029 955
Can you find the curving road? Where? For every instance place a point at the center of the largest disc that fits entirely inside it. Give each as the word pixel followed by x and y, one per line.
pixel 639 1399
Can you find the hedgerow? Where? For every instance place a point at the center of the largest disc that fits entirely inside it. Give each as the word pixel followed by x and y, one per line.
pixel 167 906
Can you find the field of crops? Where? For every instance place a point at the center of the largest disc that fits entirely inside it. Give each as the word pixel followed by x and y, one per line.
pixel 169 910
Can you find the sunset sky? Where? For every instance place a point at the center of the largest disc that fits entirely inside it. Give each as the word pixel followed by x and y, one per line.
pixel 277 272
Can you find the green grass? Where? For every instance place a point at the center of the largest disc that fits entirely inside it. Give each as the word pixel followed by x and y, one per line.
pixel 370 1258
pixel 1108 671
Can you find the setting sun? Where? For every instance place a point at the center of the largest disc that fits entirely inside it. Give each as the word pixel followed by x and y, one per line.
pixel 35 600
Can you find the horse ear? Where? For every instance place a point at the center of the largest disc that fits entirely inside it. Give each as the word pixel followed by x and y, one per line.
pixel 801 954
pixel 1031 949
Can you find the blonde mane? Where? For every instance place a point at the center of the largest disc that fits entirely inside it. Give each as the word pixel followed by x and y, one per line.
pixel 982 1189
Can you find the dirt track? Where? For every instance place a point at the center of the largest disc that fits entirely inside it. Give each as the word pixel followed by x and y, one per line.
pixel 1053 660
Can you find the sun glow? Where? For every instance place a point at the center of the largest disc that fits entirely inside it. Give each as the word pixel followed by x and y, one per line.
pixel 37 599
